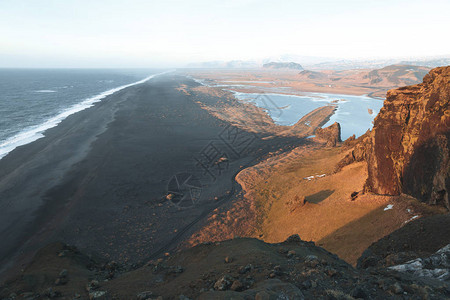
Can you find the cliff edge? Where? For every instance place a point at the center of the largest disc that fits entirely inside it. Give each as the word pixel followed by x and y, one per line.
pixel 408 147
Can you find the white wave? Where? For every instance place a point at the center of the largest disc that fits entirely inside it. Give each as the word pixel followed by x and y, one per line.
pixel 30 134
pixel 45 91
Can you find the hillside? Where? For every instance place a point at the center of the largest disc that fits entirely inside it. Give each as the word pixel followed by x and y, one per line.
pixel 234 269
pixel 283 65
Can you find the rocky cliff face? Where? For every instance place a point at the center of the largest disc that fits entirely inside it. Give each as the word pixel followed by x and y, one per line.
pixel 331 134
pixel 408 147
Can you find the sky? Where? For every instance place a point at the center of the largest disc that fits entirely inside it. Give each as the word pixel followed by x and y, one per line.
pixel 168 33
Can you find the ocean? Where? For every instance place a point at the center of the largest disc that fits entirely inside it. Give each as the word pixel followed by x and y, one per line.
pixel 33 100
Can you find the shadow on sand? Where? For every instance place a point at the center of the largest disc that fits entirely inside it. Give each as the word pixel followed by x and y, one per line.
pixel 319 197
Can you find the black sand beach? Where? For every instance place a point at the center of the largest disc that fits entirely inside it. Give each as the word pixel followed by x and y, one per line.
pixel 99 179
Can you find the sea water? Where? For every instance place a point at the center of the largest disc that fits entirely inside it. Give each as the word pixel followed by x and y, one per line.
pixel 33 100
pixel 355 114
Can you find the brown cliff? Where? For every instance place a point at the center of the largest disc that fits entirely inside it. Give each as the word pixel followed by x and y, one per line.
pixel 408 147
pixel 331 134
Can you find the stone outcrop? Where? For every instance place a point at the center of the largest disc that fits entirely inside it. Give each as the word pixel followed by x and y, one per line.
pixel 330 134
pixel 408 148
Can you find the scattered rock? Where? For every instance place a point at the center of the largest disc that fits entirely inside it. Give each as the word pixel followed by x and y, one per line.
pixel 144 295
pixel 61 281
pixel 291 253
pixel 98 295
pixel 237 286
pixel 223 283
pixel 63 273
pixel 435 266
pixel 92 285
pixel 396 288
pixel 311 261
pixel 330 271
pixel 358 292
pixel 50 293
pixel 247 268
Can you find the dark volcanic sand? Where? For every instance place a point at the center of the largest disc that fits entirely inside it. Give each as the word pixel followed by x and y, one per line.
pixel 99 178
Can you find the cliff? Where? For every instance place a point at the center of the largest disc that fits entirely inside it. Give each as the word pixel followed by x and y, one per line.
pixel 331 134
pixel 407 150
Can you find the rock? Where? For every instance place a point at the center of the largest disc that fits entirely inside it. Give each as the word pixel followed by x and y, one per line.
pixel 267 289
pixel 358 292
pixel 50 293
pixel 290 253
pixel 262 296
pixel 295 202
pixel 354 195
pixel 63 273
pixel 408 148
pixel 100 295
pixel 312 261
pixel 61 281
pixel 435 266
pixel 223 283
pixel 330 271
pixel 396 288
pixel 295 238
pixel 350 140
pixel 145 295
pixel 359 152
pixel 331 134
pixel 92 285
pixel 247 268
pixel 237 286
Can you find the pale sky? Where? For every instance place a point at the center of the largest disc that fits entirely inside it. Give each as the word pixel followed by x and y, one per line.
pixel 153 33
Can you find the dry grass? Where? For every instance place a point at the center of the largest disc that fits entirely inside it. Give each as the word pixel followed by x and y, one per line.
pixel 329 217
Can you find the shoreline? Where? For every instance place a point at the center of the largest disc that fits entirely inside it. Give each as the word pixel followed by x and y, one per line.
pixel 98 180
pixel 35 132
pixel 350 126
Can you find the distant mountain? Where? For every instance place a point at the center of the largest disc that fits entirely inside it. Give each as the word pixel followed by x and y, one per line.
pixel 432 63
pixel 396 75
pixel 233 64
pixel 322 63
pixel 307 74
pixel 283 65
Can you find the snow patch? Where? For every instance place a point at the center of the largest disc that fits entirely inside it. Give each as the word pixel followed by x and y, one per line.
pixel 388 207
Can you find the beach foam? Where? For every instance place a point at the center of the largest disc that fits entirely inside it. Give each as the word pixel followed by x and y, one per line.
pixel 33 133
pixel 45 91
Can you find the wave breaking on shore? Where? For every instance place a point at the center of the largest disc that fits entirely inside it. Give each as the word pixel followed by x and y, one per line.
pixel 33 133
